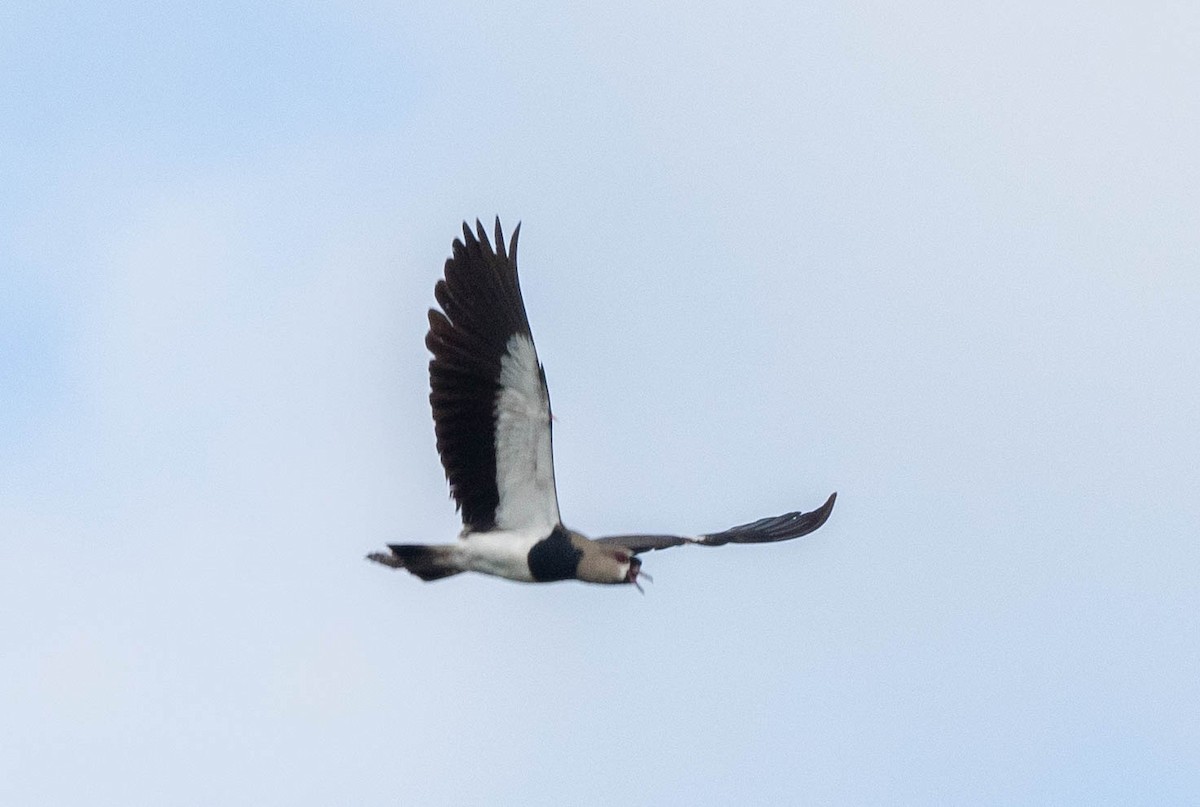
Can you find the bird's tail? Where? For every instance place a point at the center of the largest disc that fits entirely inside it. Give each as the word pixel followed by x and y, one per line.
pixel 425 561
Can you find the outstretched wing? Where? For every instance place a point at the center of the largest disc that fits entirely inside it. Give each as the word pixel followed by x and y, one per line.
pixel 763 531
pixel 491 408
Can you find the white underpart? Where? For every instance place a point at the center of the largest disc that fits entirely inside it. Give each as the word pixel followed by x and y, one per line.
pixel 503 553
pixel 524 457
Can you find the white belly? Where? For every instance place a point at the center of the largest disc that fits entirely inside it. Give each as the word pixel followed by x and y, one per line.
pixel 501 553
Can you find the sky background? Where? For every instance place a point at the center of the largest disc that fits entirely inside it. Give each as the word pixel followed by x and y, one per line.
pixel 941 258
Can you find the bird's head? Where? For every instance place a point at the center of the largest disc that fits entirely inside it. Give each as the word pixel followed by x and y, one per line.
pixel 610 564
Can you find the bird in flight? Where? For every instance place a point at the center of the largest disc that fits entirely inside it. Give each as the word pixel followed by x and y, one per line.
pixel 491 413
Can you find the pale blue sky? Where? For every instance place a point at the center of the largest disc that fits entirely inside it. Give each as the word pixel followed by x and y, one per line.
pixel 943 259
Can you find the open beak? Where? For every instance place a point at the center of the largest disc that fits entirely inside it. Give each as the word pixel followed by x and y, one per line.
pixel 635 571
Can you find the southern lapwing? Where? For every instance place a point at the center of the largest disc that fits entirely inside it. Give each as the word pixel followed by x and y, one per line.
pixel 491 413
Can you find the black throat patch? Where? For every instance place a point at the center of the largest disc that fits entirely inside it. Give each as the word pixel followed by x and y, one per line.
pixel 554 558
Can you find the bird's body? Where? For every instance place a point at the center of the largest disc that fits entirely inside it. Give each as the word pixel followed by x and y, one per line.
pixel 491 411
pixel 503 553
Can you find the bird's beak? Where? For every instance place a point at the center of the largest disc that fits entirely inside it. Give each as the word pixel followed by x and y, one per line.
pixel 635 568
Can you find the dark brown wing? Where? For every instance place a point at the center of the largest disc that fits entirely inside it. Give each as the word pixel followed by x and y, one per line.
pixel 763 531
pixel 491 409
